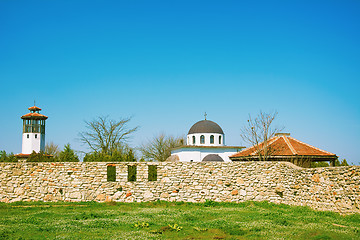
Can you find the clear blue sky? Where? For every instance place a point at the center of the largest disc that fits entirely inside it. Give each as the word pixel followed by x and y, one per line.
pixel 167 62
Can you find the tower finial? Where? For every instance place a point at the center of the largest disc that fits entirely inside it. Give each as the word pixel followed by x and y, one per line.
pixel 205 115
pixel 34 103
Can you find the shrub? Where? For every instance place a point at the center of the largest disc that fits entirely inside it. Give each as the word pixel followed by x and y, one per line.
pixel 131 173
pixel 152 173
pixel 4 157
pixel 39 157
pixel 111 173
pixel 116 156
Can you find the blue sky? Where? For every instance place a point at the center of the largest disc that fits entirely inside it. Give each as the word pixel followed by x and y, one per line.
pixel 167 62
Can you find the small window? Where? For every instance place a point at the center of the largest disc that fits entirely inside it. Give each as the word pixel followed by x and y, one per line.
pixel 28 136
pixel 202 139
pixel 193 139
pixel 219 139
pixel 131 173
pixel 111 173
pixel 212 139
pixel 152 173
pixel 35 135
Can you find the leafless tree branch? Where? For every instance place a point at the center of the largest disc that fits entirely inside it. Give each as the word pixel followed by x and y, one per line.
pixel 106 135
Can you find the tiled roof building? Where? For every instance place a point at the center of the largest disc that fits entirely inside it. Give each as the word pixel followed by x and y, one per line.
pixel 282 147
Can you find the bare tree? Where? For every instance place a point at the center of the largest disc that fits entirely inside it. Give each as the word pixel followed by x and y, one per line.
pixel 105 135
pixel 159 148
pixel 52 149
pixel 258 131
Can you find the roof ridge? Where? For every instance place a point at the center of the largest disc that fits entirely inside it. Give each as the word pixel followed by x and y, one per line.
pixel 271 141
pixel 292 149
pixel 312 146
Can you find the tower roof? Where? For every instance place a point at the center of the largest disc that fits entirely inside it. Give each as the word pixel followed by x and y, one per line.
pixel 34 108
pixel 205 126
pixel 34 114
pixel 284 145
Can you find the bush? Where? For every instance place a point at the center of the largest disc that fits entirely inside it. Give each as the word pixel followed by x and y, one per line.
pixel 152 173
pixel 4 157
pixel 116 156
pixel 131 173
pixel 111 173
pixel 39 157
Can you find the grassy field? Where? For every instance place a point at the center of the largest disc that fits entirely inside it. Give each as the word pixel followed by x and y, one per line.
pixel 163 220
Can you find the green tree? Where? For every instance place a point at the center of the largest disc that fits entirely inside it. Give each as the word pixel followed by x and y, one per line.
pixel 344 163
pixel 337 163
pixel 319 164
pixel 4 157
pixel 68 155
pixel 159 148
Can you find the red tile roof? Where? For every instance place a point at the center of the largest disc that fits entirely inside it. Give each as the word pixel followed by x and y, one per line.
pixel 284 145
pixel 34 108
pixel 33 115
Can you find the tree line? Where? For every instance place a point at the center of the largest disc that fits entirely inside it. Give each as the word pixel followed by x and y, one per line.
pixel 108 141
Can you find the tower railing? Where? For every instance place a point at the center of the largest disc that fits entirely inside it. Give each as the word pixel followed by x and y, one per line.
pixel 33 128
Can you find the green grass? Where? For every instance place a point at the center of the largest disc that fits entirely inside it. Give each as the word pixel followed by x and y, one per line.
pixel 164 220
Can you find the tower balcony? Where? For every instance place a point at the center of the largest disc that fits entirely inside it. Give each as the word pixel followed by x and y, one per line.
pixel 34 128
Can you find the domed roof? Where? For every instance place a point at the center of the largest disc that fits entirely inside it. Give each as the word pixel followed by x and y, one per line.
pixel 205 126
pixel 213 158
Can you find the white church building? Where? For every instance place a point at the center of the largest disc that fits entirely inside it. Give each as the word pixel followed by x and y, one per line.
pixel 205 143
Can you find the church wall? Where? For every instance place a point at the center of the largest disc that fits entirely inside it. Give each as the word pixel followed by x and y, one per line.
pixel 207 139
pixel 332 188
pixel 197 154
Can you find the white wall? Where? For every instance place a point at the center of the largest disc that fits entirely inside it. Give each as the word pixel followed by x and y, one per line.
pixel 33 144
pixel 197 154
pixel 189 139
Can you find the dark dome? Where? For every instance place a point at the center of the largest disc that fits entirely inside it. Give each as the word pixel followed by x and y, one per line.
pixel 213 158
pixel 205 126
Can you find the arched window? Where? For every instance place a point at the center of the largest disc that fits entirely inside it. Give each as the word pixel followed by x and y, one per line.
pixel 212 139
pixel 219 139
pixel 193 139
pixel 202 139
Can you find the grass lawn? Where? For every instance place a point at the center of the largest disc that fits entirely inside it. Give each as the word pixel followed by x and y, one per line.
pixel 164 220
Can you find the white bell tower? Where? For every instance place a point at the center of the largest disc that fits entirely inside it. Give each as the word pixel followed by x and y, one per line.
pixel 33 138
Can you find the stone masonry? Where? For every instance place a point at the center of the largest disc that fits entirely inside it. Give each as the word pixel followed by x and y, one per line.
pixel 331 188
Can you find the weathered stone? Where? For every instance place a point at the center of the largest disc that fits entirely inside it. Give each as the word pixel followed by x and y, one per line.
pixel 148 194
pixel 75 195
pixel 19 191
pixel 165 179
pixel 334 189
pixel 164 195
pixel 100 198
pixel 315 178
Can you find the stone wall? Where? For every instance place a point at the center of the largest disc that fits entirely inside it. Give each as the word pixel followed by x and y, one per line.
pixel 332 188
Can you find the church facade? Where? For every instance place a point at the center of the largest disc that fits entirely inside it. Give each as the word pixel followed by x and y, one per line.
pixel 205 143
